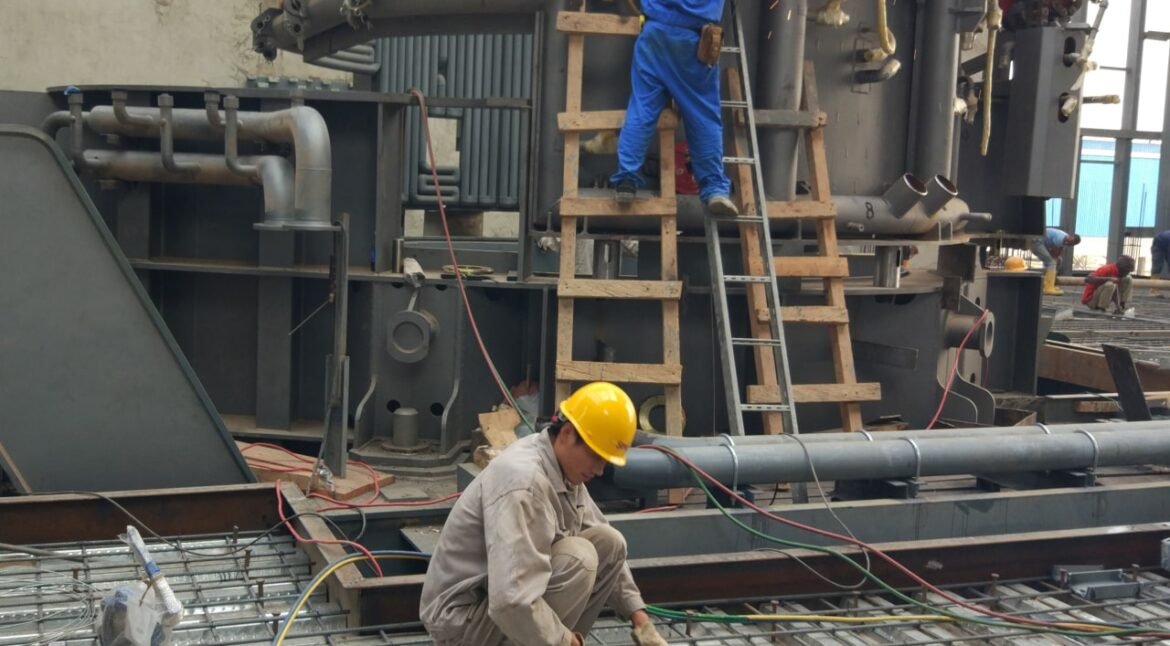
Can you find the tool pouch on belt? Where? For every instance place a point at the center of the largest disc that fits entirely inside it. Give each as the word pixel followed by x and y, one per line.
pixel 710 43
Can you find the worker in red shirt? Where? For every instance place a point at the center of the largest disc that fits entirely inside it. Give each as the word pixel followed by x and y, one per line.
pixel 1110 283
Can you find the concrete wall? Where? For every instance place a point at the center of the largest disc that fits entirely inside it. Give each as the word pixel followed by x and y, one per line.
pixel 156 42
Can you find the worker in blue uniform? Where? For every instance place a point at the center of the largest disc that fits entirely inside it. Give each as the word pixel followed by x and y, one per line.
pixel 667 65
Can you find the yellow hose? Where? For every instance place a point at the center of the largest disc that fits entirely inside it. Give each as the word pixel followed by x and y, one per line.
pixel 994 22
pixel 885 36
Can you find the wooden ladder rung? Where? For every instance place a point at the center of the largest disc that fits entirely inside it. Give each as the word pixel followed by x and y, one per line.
pixel 630 373
pixel 608 206
pixel 817 393
pixel 606 120
pixel 801 210
pixel 815 314
pixel 599 24
pixel 790 119
pixel 811 266
pixel 620 289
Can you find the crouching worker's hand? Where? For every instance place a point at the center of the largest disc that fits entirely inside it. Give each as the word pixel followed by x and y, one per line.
pixel 646 635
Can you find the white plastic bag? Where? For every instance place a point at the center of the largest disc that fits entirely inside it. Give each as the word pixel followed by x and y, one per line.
pixel 132 615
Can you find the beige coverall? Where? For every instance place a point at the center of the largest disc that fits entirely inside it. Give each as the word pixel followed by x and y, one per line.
pixel 524 558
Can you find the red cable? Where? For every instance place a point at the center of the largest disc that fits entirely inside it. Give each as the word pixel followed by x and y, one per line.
pixel 867 547
pixel 955 368
pixel 275 466
pixel 342 504
pixel 422 105
pixel 322 541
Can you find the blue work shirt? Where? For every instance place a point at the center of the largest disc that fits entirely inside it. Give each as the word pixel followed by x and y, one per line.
pixel 1054 238
pixel 689 14
pixel 1162 243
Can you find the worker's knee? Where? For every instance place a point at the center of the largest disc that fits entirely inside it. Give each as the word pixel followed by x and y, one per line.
pixel 608 542
pixel 574 553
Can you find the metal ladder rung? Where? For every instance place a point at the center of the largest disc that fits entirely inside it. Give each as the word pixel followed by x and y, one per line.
pixel 731 50
pixel 747 161
pixel 750 341
pixel 743 219
pixel 734 104
pixel 765 408
pixel 746 279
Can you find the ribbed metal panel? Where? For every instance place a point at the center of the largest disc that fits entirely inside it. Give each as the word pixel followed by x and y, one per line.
pixel 470 66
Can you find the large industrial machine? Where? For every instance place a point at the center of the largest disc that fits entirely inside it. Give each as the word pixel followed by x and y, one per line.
pixel 312 272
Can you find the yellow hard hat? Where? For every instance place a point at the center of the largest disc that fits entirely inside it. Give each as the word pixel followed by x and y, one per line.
pixel 1015 263
pixel 604 417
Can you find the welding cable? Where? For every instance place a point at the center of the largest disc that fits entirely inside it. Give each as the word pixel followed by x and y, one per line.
pixel 187 550
pixel 342 504
pixel 274 466
pixel 422 108
pixel 1069 628
pixel 286 625
pixel 322 541
pixel 955 368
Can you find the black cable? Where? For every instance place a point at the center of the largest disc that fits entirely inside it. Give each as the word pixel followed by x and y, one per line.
pixel 240 548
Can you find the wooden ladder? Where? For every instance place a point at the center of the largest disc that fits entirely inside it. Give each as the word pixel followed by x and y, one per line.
pixel 572 122
pixel 828 265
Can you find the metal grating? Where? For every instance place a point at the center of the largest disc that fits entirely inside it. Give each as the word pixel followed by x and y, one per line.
pixel 1147 335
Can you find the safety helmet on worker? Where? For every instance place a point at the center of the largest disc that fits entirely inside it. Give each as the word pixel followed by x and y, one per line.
pixel 605 419
pixel 1015 263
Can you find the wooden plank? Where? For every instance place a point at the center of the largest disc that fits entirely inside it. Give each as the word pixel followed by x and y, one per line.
pixel 671 337
pixel 759 316
pixel 599 24
pixel 272 464
pixel 1100 406
pixel 629 373
pixel 801 210
pixel 608 206
pixel 817 393
pixel 810 266
pixel 620 289
pixel 815 314
pixel 790 119
pixel 607 120
pixel 1086 367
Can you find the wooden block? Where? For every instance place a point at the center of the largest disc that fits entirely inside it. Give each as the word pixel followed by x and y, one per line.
pixel 801 210
pixel 600 24
pixel 606 120
pixel 814 266
pixel 608 206
pixel 271 464
pixel 790 119
pixel 815 314
pixel 1104 406
pixel 629 373
pixel 499 427
pixel 817 393
pixel 620 289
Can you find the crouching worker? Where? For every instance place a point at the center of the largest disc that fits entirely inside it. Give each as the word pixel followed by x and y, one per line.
pixel 525 556
pixel 1110 284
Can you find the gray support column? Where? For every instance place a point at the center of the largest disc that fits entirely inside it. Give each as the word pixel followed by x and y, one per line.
pixel 1162 207
pixel 939 59
pixel 782 55
pixel 548 100
pixel 274 319
pixel 1068 222
pixel 1124 149
pixel 132 227
pixel 388 201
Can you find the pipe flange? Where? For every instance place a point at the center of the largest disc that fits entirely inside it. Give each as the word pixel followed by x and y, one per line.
pixel 730 444
pixel 409 333
pixel 1096 447
pixel 917 457
pixel 648 405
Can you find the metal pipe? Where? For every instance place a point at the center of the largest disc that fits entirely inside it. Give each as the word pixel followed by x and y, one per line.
pixel 347 66
pixel 887 71
pixel 211 107
pixel 939 192
pixel 782 54
pixel 888 267
pixel 231 143
pixel 301 126
pixel 921 455
pixel 939 59
pixel 906 192
pixel 55 121
pixel 118 99
pixel 166 104
pixel 77 128
pixel 1002 433
pixel 274 174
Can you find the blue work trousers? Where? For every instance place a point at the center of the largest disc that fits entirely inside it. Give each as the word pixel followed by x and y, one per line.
pixel 666 65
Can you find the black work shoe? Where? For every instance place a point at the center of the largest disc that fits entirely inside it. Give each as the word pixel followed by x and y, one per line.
pixel 625 192
pixel 721 206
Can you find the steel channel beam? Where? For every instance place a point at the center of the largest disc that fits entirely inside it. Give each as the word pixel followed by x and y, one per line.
pixel 69 517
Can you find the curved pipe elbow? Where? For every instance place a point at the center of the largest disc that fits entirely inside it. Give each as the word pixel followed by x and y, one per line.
pixel 124 117
pixel 276 177
pixel 314 167
pixel 887 71
pixel 55 121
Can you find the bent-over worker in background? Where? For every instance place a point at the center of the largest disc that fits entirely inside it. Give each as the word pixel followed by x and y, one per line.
pixel 1160 255
pixel 525 555
pixel 1110 283
pixel 677 56
pixel 1049 249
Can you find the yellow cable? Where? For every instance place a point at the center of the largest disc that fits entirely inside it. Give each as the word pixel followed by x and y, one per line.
pixel 885 36
pixel 869 619
pixel 324 576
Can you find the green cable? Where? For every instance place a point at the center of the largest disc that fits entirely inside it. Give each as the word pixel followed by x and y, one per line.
pixel 680 615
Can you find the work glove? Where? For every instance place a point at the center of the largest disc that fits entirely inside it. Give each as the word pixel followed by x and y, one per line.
pixel 647 635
